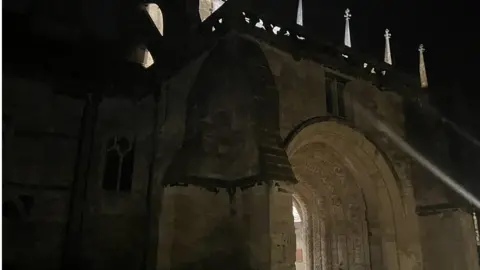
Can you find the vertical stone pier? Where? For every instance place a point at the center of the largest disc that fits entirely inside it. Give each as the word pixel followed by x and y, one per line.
pixel 200 229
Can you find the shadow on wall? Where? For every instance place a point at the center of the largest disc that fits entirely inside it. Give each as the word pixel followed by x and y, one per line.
pixel 227 254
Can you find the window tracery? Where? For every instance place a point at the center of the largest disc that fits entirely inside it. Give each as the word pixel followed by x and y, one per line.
pixel 119 162
pixel 346 208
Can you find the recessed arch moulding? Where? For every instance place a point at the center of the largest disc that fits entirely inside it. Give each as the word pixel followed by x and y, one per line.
pixel 356 218
pixel 372 158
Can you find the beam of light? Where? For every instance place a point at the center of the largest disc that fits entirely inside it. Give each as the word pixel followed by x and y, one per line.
pixel 462 132
pixel 402 144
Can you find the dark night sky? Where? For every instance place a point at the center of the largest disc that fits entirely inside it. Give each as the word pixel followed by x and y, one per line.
pixel 446 28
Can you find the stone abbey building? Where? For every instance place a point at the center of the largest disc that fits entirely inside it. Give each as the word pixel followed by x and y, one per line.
pixel 180 135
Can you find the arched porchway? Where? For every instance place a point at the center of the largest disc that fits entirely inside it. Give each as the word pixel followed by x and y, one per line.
pixel 356 218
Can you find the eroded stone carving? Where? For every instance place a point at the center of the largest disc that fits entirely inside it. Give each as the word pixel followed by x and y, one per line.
pixel 345 212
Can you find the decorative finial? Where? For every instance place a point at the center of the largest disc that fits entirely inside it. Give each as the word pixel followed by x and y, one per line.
pixel 347 14
pixel 388 53
pixel 347 40
pixel 423 70
pixel 300 13
pixel 421 48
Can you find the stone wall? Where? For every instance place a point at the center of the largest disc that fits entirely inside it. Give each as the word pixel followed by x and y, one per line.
pixel 202 229
pixel 266 236
pixel 115 218
pixel 168 138
pixel 205 230
pixel 47 187
pixel 282 229
pixel 40 142
pixel 56 172
pixel 448 241
pixel 447 233
pixel 302 90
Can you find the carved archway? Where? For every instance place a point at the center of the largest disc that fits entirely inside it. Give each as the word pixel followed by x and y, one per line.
pixel 356 215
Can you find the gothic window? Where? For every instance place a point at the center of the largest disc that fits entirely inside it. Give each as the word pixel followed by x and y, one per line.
pixel 157 17
pixel 118 165
pixel 208 7
pixel 334 87
pixel 300 13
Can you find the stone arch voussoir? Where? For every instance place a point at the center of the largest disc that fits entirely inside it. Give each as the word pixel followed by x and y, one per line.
pixel 390 227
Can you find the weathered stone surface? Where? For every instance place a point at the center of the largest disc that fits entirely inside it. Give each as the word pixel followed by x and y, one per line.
pixel 235 232
pixel 443 236
pixel 40 159
pixel 358 191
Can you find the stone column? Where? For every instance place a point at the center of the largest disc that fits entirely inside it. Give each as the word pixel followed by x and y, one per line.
pixel 73 240
pixel 166 229
pixel 282 229
pixel 202 228
pixel 257 225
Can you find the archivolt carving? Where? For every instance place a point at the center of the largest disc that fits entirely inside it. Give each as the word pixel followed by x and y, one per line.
pixel 319 168
pixel 339 163
pixel 356 212
pixel 313 203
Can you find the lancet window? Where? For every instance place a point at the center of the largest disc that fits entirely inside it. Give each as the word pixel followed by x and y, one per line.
pixel 119 161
